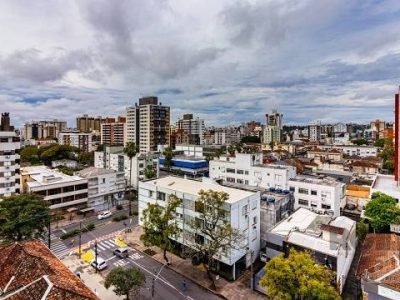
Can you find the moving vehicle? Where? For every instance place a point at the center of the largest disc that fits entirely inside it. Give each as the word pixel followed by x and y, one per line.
pixel 100 264
pixel 121 252
pixel 104 215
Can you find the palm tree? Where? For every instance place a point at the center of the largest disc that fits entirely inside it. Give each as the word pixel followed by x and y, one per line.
pixel 130 150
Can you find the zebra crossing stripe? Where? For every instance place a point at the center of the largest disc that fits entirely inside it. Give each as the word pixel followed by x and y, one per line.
pixel 101 247
pixel 109 243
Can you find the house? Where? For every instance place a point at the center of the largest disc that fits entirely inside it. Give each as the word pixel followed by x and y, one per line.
pixel 242 211
pixel 30 271
pixel 331 241
pixel 379 267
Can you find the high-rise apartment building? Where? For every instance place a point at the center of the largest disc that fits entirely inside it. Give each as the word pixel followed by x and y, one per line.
pixel 379 127
pixel 113 133
pixel 226 136
pixel 82 141
pixel 314 132
pixel 148 124
pixel 273 127
pixel 9 158
pixel 43 129
pixel 189 130
pixel 88 124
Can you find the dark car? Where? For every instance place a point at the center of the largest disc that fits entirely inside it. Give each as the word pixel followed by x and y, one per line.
pixel 121 252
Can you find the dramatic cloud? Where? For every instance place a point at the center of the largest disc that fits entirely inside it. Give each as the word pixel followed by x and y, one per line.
pixel 227 61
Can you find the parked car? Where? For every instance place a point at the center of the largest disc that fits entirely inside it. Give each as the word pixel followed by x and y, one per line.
pixel 121 252
pixel 100 264
pixel 104 215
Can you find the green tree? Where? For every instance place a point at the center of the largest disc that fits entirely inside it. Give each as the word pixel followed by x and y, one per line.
pixel 382 210
pixel 231 149
pixel 379 143
pixel 30 154
pixel 298 277
pixel 250 139
pixel 150 172
pixel 168 156
pixel 159 224
pixel 130 150
pixel 23 217
pixel 360 142
pixel 213 231
pixel 126 282
pixel 362 229
pixel 86 158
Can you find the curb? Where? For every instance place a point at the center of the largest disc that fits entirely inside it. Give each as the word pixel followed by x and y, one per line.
pixel 178 272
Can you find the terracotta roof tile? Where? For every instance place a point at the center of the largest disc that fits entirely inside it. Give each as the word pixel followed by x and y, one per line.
pixel 30 262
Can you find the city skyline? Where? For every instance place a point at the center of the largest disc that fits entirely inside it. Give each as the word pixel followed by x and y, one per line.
pixel 226 62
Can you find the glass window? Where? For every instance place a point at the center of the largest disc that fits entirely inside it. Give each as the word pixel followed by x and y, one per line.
pixel 199 207
pixel 161 196
pixel 230 179
pixel 292 188
pixel 246 172
pixel 245 210
pixel 239 172
pixel 303 191
pixel 325 206
pixel 228 170
pixel 240 181
pixel 313 192
pixel 303 202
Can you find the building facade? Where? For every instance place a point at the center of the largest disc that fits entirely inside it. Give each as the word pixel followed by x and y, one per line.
pixel 249 170
pixel 113 133
pixel 241 210
pixel 105 187
pixel 189 130
pixel 314 132
pixel 226 136
pixel 273 128
pixel 43 129
pixel 9 158
pixel 351 150
pixel 89 124
pixel 324 196
pixel 61 191
pixel 82 141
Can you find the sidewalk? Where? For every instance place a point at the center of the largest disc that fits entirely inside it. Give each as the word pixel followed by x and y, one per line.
pixel 91 279
pixel 238 289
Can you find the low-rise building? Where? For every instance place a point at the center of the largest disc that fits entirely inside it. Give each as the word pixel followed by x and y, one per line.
pixel 113 157
pixel 188 165
pixel 248 169
pixel 379 267
pixel 105 187
pixel 331 241
pixel 325 154
pixel 322 195
pixel 242 211
pixel 60 190
pixel 72 164
pixel 29 270
pixel 363 150
pixel 191 150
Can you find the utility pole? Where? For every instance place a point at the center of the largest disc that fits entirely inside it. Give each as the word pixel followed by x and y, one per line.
pixel 251 271
pixel 80 237
pixel 95 253
pixel 153 288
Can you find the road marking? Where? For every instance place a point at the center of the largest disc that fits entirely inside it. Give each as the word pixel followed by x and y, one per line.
pixel 63 230
pixel 110 258
pixel 109 243
pixel 101 247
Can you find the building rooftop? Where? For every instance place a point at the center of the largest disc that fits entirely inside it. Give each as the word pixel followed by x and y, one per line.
pixel 42 176
pixel 92 171
pixel 30 271
pixel 379 259
pixel 385 184
pixel 193 187
pixel 317 180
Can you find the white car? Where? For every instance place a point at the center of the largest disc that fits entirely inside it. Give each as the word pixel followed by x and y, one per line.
pixel 100 264
pixel 104 215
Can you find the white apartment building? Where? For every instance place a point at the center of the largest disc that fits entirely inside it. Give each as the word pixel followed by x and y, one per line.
pixel 314 132
pixel 132 125
pixel 226 136
pixel 331 241
pixel 190 130
pixel 322 195
pixel 191 150
pixel 249 170
pixel 339 128
pixel 9 158
pixel 242 211
pixel 105 187
pixel 362 151
pixel 113 158
pixel 60 190
pixel 43 129
pixel 271 134
pixel 82 141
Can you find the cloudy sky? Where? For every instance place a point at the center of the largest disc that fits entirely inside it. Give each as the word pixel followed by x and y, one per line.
pixel 227 61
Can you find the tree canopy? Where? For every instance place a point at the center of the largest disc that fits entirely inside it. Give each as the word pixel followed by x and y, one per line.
pixel 168 156
pixel 126 282
pixel 382 210
pixel 298 276
pixel 159 224
pixel 131 149
pixel 23 216
pixel 150 172
pixel 250 139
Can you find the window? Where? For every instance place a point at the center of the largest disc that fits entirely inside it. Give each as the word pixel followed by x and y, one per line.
pixel 254 220
pixel 199 223
pixel 240 181
pixel 303 191
pixel 54 191
pixel 313 204
pixel 81 186
pixel 239 172
pixel 199 239
pixel 230 179
pixel 104 180
pixel 245 210
pixel 303 202
pixel 81 196
pixel 313 192
pixel 325 206
pixel 246 172
pixel 67 189
pixel 292 188
pixel 228 170
pixel 161 196
pixel 246 182
pixel 199 207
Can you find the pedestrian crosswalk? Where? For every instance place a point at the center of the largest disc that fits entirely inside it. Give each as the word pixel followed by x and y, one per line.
pixel 106 245
pixel 58 247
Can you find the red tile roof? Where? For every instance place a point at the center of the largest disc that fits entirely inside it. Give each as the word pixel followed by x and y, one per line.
pixel 379 257
pixel 37 271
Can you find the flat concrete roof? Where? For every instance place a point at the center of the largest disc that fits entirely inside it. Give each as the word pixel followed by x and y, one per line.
pixel 92 171
pixel 386 184
pixel 315 180
pixel 39 174
pixel 193 187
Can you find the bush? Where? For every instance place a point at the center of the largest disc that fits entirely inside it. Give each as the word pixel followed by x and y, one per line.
pixel 119 207
pixel 120 218
pixel 89 227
